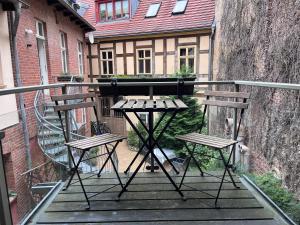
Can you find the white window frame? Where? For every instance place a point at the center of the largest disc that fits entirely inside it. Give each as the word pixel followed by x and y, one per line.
pixel 187 57
pixel 144 59
pixel 80 57
pixel 38 35
pixel 63 52
pixel 106 61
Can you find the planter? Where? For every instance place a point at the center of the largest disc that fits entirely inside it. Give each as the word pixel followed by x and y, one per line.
pixel 114 89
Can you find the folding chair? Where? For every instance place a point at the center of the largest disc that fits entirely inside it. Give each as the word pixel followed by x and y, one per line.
pixel 84 145
pixel 218 144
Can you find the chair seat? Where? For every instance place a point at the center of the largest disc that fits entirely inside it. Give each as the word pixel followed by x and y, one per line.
pixel 211 141
pixel 90 142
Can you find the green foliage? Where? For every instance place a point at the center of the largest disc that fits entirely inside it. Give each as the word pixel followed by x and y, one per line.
pixel 133 139
pixel 272 187
pixel 184 72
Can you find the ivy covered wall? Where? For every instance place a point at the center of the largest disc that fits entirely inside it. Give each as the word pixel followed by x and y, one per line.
pixel 259 40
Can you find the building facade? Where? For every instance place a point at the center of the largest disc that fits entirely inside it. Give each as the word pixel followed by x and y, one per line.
pixel 50 42
pixel 148 38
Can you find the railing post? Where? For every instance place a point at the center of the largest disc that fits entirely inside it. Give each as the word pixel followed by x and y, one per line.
pixel 235 119
pixel 5 214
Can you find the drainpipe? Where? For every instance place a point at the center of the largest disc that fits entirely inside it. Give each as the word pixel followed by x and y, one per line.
pixel 14 27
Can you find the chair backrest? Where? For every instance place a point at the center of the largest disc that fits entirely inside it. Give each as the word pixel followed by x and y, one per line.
pixel 226 99
pixel 229 99
pixel 66 105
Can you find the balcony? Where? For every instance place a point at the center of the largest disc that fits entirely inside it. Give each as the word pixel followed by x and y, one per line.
pixel 150 198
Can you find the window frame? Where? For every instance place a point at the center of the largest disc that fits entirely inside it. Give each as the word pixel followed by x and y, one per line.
pixel 38 35
pixel 156 12
pixel 105 108
pixel 106 2
pixel 146 114
pixel 64 52
pixel 107 62
pixel 181 11
pixel 80 57
pixel 186 57
pixel 144 59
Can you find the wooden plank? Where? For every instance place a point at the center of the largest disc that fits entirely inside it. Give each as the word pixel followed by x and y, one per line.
pixel 119 105
pixel 180 104
pixel 156 215
pixel 210 141
pixel 154 204
pixel 72 97
pixel 160 104
pixel 129 104
pixel 227 94
pixel 210 194
pixel 140 104
pixel 228 104
pixel 149 104
pixel 74 106
pixel 170 104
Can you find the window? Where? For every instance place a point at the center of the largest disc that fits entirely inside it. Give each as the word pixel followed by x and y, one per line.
pixel 105 107
pixel 144 61
pixel 80 57
pixel 153 10
pixel 40 31
pixel 107 62
pixel 180 6
pixel 64 53
pixel 113 9
pixel 144 117
pixel 187 58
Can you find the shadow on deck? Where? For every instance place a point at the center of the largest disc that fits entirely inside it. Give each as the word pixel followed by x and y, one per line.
pixel 151 200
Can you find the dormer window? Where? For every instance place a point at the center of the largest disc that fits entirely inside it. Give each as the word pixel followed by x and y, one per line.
pixel 113 10
pixel 180 6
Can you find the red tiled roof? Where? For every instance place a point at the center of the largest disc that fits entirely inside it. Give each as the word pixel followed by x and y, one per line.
pixel 199 14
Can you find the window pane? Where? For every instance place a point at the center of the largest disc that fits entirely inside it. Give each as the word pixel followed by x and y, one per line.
pixel 109 55
pixel 104 67
pixel 110 67
pixel 41 30
pixel 103 11
pixel 182 63
pixel 180 6
pixel 191 65
pixel 148 65
pixel 118 8
pixel 141 66
pixel 141 54
pixel 103 55
pixel 109 11
pixel 62 39
pixel 153 10
pixel 147 53
pixel 125 8
pixel 191 51
pixel 182 52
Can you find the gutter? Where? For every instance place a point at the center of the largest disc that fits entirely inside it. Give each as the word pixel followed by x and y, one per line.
pixel 14 28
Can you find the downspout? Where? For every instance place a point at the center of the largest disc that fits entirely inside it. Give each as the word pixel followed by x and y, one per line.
pixel 14 27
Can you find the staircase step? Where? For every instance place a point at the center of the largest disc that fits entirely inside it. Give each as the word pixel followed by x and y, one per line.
pixel 52 117
pixel 49 133
pixel 52 141
pixel 56 151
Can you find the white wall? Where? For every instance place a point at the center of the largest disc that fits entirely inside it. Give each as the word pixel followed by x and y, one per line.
pixel 8 106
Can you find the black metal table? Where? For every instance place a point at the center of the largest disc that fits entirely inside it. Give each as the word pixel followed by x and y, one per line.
pixel 150 106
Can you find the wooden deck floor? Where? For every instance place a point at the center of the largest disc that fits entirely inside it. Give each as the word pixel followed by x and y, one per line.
pixel 151 200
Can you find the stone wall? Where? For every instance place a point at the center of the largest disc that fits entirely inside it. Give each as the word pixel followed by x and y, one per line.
pixel 260 41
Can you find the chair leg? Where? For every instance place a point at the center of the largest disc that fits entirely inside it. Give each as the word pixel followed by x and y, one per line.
pixel 226 169
pixel 112 161
pixel 73 171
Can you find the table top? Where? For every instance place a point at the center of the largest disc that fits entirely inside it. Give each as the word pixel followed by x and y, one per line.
pixel 146 105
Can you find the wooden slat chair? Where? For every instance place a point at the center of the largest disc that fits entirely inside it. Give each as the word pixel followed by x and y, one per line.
pixel 65 103
pixel 232 100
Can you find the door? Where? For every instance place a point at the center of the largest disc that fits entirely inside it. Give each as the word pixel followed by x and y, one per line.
pixel 43 63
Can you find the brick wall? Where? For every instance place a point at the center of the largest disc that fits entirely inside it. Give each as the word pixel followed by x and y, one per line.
pixel 13 143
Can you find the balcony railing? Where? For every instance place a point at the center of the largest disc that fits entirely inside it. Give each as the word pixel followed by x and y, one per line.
pixel 46 172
